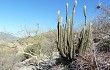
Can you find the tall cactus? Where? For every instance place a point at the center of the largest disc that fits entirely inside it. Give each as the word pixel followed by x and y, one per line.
pixel 60 35
pixel 83 31
pixel 65 41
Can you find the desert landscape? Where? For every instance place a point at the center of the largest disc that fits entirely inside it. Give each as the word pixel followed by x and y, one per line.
pixel 62 48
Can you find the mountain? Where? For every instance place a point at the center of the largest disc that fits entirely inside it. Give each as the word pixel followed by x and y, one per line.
pixel 7 37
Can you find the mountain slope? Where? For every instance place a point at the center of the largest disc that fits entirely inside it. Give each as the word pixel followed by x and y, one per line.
pixel 7 37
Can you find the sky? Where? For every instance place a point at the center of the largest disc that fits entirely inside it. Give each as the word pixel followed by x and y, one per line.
pixel 16 15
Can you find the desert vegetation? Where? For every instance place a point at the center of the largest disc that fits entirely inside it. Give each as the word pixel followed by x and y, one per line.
pixel 63 48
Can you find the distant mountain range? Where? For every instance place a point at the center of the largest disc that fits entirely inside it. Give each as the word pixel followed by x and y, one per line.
pixel 7 37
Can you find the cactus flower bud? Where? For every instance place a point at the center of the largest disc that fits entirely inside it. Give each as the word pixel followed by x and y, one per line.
pixel 59 12
pixel 75 3
pixel 90 24
pixel 59 16
pixel 84 10
pixel 67 5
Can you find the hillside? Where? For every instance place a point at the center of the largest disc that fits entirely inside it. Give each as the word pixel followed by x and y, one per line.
pixel 7 37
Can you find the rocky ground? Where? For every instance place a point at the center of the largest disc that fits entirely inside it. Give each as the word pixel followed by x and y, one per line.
pixel 13 56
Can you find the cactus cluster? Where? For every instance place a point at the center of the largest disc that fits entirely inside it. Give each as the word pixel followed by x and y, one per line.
pixel 65 36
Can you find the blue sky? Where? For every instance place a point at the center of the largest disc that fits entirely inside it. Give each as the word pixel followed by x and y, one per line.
pixel 17 14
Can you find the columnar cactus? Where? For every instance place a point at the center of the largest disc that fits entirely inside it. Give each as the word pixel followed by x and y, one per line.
pixel 65 40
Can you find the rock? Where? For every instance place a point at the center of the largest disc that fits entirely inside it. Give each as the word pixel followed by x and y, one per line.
pixel 28 64
pixel 21 57
pixel 26 68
